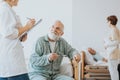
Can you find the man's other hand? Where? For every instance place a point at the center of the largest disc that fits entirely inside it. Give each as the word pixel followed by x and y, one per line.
pixel 77 57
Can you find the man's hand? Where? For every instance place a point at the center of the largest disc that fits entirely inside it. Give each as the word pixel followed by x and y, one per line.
pixel 53 56
pixel 105 60
pixel 77 57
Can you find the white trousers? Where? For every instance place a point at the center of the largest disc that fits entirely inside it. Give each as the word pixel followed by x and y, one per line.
pixel 113 64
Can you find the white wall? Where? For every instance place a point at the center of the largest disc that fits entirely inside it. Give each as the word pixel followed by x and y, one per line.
pixel 84 20
pixel 89 22
pixel 48 10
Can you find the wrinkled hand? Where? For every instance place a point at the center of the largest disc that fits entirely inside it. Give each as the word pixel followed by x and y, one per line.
pixel 30 23
pixel 77 57
pixel 53 56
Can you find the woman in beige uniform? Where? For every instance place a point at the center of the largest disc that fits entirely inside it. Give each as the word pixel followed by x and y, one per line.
pixel 112 47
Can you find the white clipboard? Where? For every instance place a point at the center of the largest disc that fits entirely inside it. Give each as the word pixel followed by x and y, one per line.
pixel 38 22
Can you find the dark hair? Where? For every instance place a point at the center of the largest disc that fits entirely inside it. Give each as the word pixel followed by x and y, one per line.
pixel 113 19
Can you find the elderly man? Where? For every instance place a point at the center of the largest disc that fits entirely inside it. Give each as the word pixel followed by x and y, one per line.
pixel 94 58
pixel 96 55
pixel 48 54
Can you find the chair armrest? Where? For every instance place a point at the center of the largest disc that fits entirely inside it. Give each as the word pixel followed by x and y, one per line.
pixel 75 69
pixel 82 64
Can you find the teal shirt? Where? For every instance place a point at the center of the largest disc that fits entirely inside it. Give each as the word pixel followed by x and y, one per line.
pixel 39 63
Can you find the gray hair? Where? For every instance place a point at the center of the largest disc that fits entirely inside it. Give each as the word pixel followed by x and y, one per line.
pixel 60 23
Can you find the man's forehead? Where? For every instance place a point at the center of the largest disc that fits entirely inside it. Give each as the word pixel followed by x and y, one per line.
pixel 58 24
pixel 89 48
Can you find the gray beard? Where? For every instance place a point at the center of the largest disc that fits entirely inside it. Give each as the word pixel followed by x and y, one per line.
pixel 52 36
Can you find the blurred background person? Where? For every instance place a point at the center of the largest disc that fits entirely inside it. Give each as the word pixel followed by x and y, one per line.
pixel 112 47
pixel 94 57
